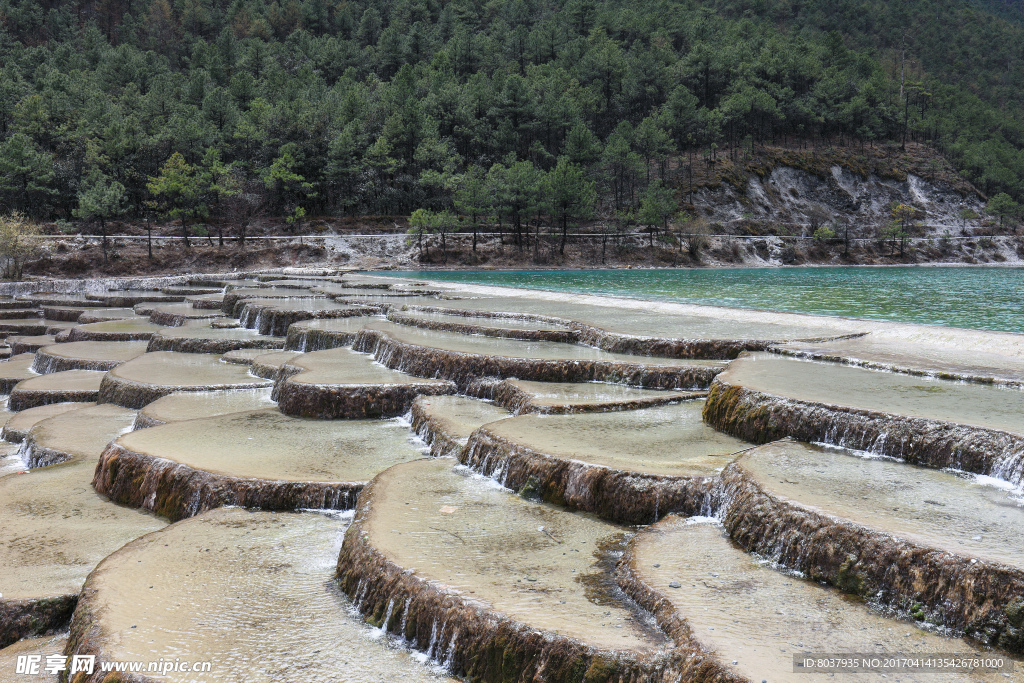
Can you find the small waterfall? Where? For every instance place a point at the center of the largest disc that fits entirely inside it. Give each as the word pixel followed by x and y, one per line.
pixel 358 601
pixel 433 640
pixel 387 618
pixel 448 660
pixel 193 505
pixel 25 453
pixel 405 618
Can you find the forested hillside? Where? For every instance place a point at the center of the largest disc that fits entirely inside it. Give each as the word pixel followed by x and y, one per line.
pixel 200 108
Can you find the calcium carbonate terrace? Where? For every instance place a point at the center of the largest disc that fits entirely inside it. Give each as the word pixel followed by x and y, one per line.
pixel 494 485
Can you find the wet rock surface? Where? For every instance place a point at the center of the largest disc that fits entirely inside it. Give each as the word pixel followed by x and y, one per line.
pixel 490 326
pixel 268 365
pixel 464 359
pixel 114 330
pixel 319 335
pixel 14 370
pixel 919 359
pixel 42 647
pixel 753 619
pixel 258 459
pixel 191 405
pixel 478 577
pixel 445 423
pixel 54 528
pixel 210 340
pixel 592 462
pixel 274 316
pixel 341 383
pixel 56 387
pixel 19 345
pixel 19 425
pixel 74 435
pixel 932 543
pixel 176 315
pixel 925 421
pixel 86 355
pixel 227 557
pixel 153 375
pixel 521 396
pixel 628 329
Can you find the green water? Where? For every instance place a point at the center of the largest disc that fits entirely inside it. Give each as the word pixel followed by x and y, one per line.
pixel 978 298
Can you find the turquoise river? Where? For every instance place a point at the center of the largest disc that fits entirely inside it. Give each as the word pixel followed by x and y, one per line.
pixel 979 298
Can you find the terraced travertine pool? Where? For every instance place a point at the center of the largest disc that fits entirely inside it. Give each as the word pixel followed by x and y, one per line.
pixel 440 482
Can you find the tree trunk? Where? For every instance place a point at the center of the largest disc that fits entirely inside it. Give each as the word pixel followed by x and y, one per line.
pixel 103 231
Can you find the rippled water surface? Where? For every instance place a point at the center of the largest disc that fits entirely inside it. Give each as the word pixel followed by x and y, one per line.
pixel 979 298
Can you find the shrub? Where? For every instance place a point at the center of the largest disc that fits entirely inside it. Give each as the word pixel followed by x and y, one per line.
pixel 19 241
pixel 824 234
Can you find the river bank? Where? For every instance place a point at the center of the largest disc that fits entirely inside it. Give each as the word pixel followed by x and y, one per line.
pixel 129 255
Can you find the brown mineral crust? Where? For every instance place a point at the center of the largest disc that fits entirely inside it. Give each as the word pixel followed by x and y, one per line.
pixel 519 402
pixel 27 618
pixel 716 349
pixel 464 368
pixel 186 344
pixel 21 345
pixel 178 491
pixel 397 294
pixel 613 342
pixel 145 421
pixel 7 384
pixel 622 496
pixel 158 317
pixel 87 318
pixel 57 302
pixel 65 313
pixel 191 291
pixel 433 432
pixel 563 336
pixel 36 455
pixel 20 313
pixel 206 304
pixel 45 363
pixel 307 339
pixel 28 329
pixel 719 349
pixel 488 645
pixel 357 284
pixel 349 401
pixel 269 319
pixel 81 334
pixel 22 399
pixel 827 357
pixel 136 395
pixel 701 665
pixel 966 594
pixel 498 315
pixel 265 370
pixel 762 417
pixel 129 300
pixel 62 336
pixel 234 302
